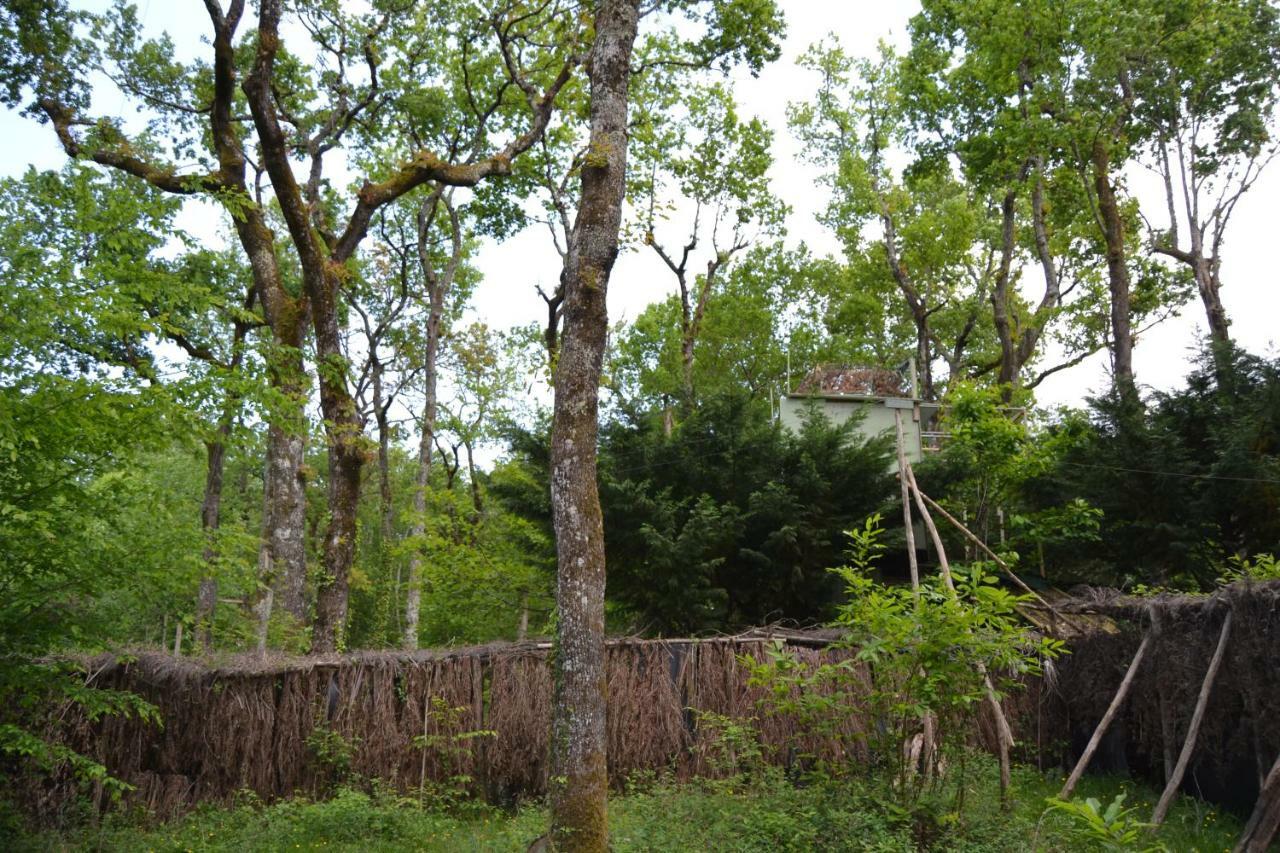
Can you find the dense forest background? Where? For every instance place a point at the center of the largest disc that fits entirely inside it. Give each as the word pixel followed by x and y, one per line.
pixel 292 433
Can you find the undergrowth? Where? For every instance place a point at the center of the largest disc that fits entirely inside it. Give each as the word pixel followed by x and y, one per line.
pixel 755 812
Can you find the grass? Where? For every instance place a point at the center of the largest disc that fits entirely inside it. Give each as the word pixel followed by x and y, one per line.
pixel 765 814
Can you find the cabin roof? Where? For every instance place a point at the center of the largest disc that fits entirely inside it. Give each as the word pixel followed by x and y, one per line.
pixel 860 381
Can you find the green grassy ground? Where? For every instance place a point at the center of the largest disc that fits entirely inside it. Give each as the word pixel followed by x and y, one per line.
pixel 768 815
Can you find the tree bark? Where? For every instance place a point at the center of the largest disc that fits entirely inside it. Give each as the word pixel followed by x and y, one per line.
pixel 210 519
pixel 211 503
pixel 438 286
pixel 386 515
pixel 578 767
pixel 321 276
pixel 1009 365
pixel 283 518
pixel 282 561
pixel 1117 273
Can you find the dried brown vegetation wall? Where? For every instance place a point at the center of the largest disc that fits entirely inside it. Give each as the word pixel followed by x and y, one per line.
pixel 251 724
pixel 1239 737
pixel 269 725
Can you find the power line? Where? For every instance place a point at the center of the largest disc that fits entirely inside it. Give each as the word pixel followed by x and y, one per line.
pixel 1184 474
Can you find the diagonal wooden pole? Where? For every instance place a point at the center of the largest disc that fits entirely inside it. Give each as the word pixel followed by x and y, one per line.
pixel 1264 824
pixel 906 506
pixel 926 720
pixel 1189 745
pixel 973 537
pixel 1004 733
pixel 1105 723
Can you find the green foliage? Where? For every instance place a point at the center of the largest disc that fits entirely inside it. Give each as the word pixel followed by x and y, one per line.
pixel 1113 828
pixel 773 815
pixel 993 456
pixel 1263 567
pixel 333 753
pixel 451 747
pixel 930 652
pixel 732 746
pixel 732 519
pixel 1180 484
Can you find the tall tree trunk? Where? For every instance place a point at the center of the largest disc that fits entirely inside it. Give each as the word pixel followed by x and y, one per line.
pixel 210 519
pixel 579 770
pixel 422 480
pixel 1117 273
pixel 346 458
pixel 477 502
pixel 1210 287
pixel 386 516
pixel 211 503
pixel 1009 365
pixel 322 272
pixel 282 555
pixel 437 286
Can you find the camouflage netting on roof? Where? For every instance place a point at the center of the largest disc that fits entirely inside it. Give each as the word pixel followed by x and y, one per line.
pixel 866 381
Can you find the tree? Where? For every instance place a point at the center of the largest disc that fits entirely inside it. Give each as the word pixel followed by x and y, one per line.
pixel 1205 97
pixel 937 242
pixel 732 520
pixel 719 164
pixel 578 768
pixel 578 771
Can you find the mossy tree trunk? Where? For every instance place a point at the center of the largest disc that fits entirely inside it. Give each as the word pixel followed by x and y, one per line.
pixel 579 772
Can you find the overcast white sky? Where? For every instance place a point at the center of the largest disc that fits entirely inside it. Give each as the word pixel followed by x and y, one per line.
pixel 512 269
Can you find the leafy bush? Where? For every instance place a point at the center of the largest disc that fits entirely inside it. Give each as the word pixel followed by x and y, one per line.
pixel 932 654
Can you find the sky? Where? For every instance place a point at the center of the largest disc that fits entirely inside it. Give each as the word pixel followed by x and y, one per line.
pixel 507 296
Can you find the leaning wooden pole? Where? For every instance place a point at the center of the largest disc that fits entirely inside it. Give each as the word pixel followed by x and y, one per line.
pixel 1004 734
pixel 973 537
pixel 1116 702
pixel 1263 827
pixel 1189 745
pixel 926 721
pixel 906 506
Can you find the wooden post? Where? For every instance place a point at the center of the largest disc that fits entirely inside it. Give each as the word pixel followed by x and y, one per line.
pixel 177 640
pixel 926 721
pixel 973 537
pixel 1189 745
pixel 1004 734
pixel 906 506
pixel 1105 723
pixel 1264 824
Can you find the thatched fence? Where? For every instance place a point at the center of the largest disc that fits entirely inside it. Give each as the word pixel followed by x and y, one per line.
pixel 270 726
pixel 252 724
pixel 1238 735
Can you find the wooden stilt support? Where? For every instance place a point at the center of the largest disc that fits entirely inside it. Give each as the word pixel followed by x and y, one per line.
pixel 1004 733
pixel 1189 745
pixel 906 506
pixel 973 537
pixel 1263 827
pixel 926 722
pixel 1116 702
